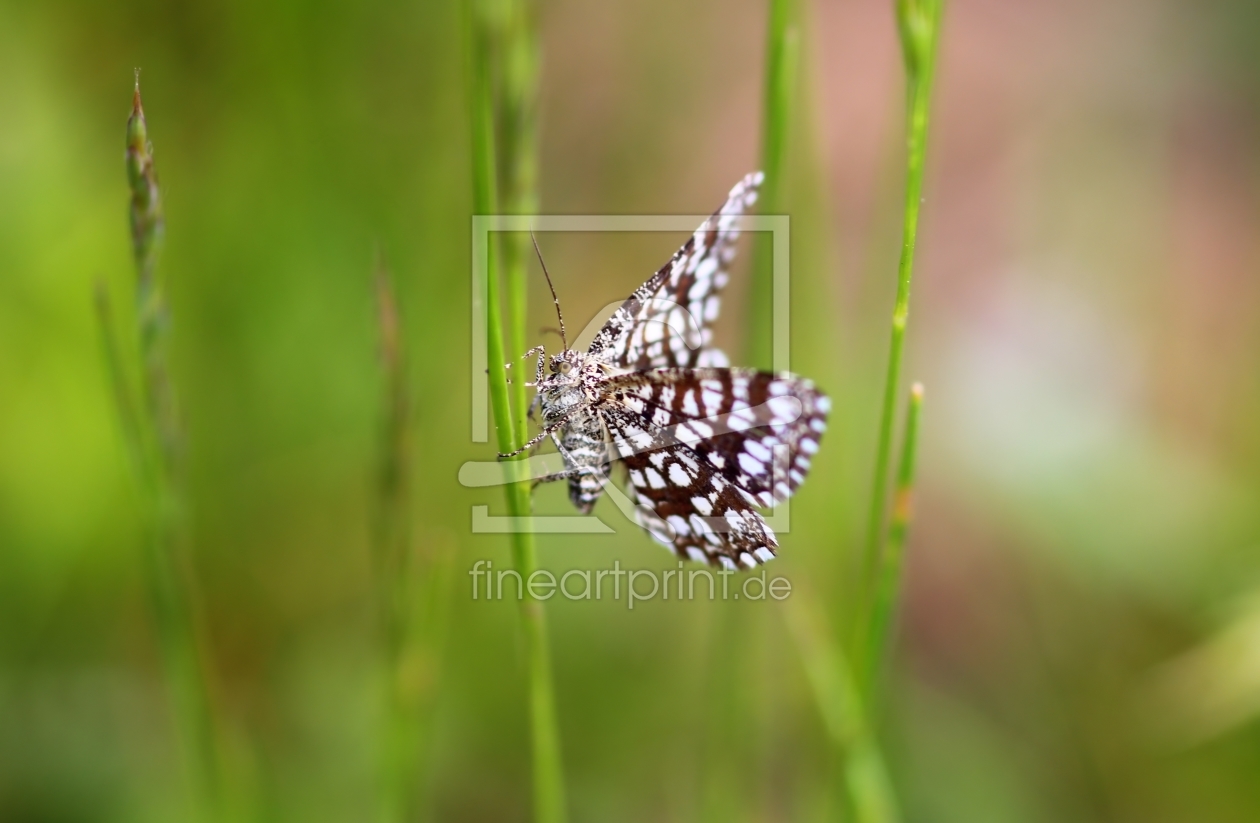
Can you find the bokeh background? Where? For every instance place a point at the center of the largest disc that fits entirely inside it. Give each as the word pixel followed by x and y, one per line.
pixel 1081 636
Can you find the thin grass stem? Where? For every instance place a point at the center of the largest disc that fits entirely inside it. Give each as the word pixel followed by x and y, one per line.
pixel 156 441
pixel 120 391
pixel 390 542
pixel 779 94
pixel 519 68
pixel 409 598
pixel 863 774
pixel 863 777
pixel 725 796
pixel 548 777
pixel 393 527
pixel 725 791
pixel 888 588
pixel 918 22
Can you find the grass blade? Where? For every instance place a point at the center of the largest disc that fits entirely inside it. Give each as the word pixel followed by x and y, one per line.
pixel 411 600
pixel 120 390
pixel 519 65
pixel 919 24
pixel 863 774
pixel 735 648
pixel 157 441
pixel 779 92
pixel 888 587
pixel 548 777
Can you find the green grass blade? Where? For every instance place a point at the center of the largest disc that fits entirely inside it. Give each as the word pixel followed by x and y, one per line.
pixel 157 434
pixel 779 93
pixel 148 226
pixel 888 587
pixel 863 774
pixel 392 536
pixel 410 596
pixel 726 793
pixel 519 66
pixel 120 390
pixel 919 24
pixel 486 202
pixel 548 777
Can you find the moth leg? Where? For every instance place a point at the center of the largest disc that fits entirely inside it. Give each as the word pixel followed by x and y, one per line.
pixel 536 350
pixel 538 438
pixel 538 378
pixel 560 475
pixel 541 354
pixel 555 438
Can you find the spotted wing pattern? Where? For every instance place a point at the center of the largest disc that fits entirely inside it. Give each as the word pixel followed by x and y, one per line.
pixel 704 447
pixel 666 322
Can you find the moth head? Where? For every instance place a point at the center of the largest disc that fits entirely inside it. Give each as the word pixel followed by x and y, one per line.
pixel 561 365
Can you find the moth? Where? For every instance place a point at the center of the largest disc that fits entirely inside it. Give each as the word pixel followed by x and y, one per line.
pixel 703 445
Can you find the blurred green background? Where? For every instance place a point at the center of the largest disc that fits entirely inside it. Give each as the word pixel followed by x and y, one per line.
pixel 1081 636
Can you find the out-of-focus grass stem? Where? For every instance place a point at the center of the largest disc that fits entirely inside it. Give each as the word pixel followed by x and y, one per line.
pixel 863 775
pixel 124 405
pixel 156 440
pixel 394 481
pixel 411 600
pixel 391 542
pixel 888 587
pixel 779 93
pixel 548 776
pixel 918 23
pixel 726 751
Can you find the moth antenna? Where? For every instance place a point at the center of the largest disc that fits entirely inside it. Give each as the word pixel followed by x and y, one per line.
pixel 563 338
